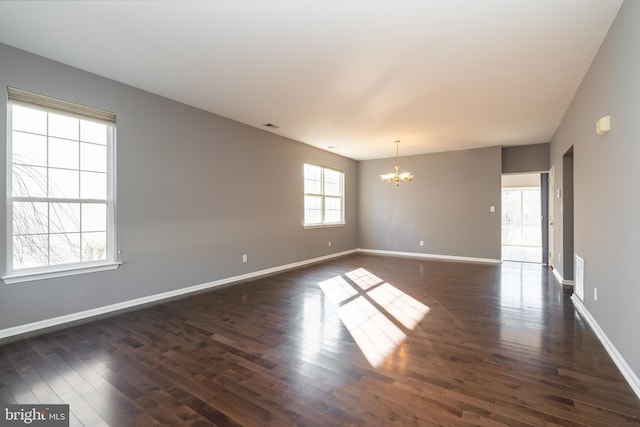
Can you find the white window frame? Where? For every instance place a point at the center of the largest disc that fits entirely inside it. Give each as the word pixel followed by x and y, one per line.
pixel 50 105
pixel 342 197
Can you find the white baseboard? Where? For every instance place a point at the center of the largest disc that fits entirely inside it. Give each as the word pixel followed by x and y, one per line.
pixel 86 314
pixel 617 358
pixel 557 275
pixel 431 256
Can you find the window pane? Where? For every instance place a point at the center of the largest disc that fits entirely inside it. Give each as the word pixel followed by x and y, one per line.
pixel 65 218
pixel 521 217
pixel 93 185
pixel 29 120
pixel 531 218
pixel 327 184
pixel 94 246
pixel 332 185
pixel 30 251
pixel 93 157
pixel 312 209
pixel 64 248
pixel 64 126
pixel 29 149
pixel 312 179
pixel 94 217
pixel 63 184
pixel 332 209
pixel 57 156
pixel 63 153
pixel 93 132
pixel 510 217
pixel 30 218
pixel 29 181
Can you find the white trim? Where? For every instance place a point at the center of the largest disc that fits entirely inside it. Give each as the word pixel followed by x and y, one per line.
pixel 579 277
pixel 617 358
pixel 557 275
pixel 48 323
pixel 324 196
pixel 49 106
pixel 568 283
pixel 63 272
pixel 431 256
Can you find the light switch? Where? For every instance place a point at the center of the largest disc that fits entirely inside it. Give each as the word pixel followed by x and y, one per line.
pixel 492 209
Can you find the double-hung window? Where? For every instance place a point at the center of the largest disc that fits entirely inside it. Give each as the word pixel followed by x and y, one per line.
pixel 323 196
pixel 61 186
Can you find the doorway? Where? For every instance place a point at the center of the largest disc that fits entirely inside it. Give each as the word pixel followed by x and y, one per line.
pixel 522 218
pixel 568 254
pixel 551 215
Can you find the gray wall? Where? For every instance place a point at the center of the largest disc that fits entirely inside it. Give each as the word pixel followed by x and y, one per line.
pixel 526 158
pixel 606 177
pixel 447 204
pixel 195 192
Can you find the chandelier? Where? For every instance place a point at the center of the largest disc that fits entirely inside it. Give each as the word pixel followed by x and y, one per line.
pixel 397 177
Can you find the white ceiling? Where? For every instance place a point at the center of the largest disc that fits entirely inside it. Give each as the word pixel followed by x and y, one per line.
pixel 354 75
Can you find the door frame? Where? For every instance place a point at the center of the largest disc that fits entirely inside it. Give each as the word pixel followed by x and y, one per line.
pixel 544 219
pixel 551 217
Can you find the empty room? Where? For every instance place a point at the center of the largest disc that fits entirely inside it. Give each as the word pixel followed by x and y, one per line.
pixel 320 213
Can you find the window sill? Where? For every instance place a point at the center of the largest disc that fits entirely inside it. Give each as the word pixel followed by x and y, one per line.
pixel 337 224
pixel 60 272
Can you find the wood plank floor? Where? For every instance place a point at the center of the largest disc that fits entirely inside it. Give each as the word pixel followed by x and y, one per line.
pixel 361 340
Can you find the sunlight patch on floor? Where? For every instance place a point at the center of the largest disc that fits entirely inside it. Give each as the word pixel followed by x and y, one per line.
pixel 363 278
pixel 405 309
pixel 337 289
pixel 374 312
pixel 375 334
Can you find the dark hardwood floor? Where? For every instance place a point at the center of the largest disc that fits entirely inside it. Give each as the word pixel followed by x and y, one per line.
pixel 428 343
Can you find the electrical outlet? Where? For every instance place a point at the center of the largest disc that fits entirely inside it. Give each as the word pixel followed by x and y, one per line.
pixel 421 242
pixel 244 258
pixel 595 294
pixel 329 243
